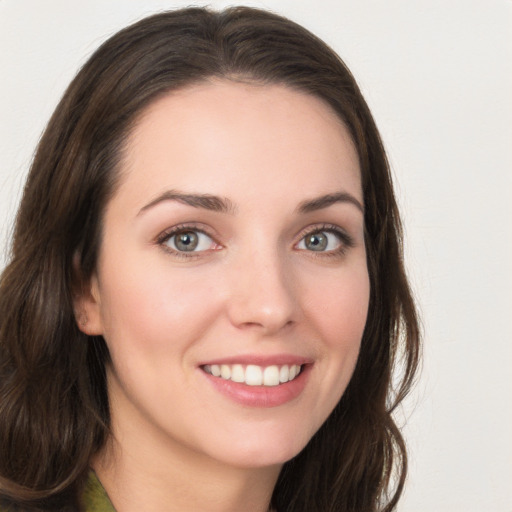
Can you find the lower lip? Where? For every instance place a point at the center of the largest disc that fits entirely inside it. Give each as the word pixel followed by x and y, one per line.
pixel 261 396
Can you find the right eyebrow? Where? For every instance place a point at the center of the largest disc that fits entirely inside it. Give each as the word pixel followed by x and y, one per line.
pixel 204 201
pixel 318 203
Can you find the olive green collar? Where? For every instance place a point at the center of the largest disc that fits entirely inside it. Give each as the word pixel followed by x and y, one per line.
pixel 95 498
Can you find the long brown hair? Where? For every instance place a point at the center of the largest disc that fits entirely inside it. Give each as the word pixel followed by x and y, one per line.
pixel 54 412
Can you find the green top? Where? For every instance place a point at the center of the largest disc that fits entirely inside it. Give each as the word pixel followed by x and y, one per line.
pixel 95 498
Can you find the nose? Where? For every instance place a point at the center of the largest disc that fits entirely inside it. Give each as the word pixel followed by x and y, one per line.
pixel 262 293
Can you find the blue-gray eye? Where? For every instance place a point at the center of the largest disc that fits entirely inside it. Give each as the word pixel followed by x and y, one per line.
pixel 320 241
pixel 189 241
pixel 316 242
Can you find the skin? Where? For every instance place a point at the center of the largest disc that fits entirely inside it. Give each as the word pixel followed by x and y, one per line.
pixel 253 289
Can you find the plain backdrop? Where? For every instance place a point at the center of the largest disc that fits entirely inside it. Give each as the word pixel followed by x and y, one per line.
pixel 437 75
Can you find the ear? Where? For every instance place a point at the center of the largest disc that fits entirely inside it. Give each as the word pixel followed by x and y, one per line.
pixel 87 304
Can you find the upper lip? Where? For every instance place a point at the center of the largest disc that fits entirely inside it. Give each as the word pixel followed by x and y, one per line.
pixel 260 360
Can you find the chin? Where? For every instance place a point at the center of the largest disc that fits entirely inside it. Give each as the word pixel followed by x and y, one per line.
pixel 257 450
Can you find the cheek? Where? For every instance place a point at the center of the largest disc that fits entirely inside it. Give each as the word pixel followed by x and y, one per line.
pixel 338 313
pixel 338 305
pixel 148 307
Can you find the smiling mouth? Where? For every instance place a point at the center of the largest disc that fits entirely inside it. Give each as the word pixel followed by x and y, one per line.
pixel 253 375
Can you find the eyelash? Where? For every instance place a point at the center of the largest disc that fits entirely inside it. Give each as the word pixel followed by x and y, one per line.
pixel 346 241
pixel 165 236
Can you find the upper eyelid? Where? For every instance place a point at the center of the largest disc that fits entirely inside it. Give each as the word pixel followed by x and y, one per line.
pixel 169 232
pixel 333 228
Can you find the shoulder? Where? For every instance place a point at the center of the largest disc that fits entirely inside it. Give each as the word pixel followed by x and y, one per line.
pixel 94 498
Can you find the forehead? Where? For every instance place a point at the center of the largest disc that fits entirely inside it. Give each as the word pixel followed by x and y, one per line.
pixel 211 135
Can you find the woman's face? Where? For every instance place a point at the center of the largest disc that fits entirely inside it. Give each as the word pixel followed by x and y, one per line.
pixel 232 258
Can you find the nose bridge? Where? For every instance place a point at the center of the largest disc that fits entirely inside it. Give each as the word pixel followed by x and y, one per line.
pixel 262 289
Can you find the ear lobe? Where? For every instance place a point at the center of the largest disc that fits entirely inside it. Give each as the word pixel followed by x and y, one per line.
pixel 87 307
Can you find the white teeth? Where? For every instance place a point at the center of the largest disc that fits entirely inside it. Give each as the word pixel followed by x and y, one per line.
pixel 271 376
pixel 284 373
pixel 225 371
pixel 237 373
pixel 254 375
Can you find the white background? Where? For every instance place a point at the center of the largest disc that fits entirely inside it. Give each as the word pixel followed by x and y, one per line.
pixel 438 77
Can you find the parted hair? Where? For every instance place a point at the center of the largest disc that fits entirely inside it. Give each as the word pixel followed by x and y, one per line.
pixel 54 410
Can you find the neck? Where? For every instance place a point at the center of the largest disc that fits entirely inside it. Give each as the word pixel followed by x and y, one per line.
pixel 174 490
pixel 145 470
pixel 133 483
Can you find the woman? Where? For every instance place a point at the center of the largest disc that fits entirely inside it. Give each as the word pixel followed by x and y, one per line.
pixel 206 298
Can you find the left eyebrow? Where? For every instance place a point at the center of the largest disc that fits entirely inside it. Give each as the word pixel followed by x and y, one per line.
pixel 318 203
